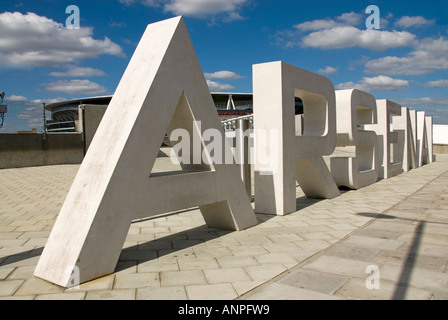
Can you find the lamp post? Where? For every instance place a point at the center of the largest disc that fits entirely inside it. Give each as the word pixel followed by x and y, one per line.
pixel 45 127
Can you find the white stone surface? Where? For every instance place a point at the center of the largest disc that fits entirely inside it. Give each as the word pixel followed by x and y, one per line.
pixel 430 137
pixel 413 120
pixel 422 139
pixel 440 134
pixel 276 85
pixel 355 108
pixel 405 149
pixel 386 109
pixel 163 88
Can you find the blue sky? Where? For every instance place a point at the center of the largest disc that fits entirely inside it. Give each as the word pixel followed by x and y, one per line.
pixel 406 60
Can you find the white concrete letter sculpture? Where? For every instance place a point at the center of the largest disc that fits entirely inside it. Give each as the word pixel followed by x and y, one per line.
pixel 424 139
pixel 429 137
pixel 276 85
pixel 386 137
pixel 162 89
pixel 355 108
pixel 405 149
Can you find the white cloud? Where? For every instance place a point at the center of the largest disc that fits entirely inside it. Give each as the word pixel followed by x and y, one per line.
pixel 416 21
pixel 25 101
pixel 351 18
pixel 48 101
pixel 83 87
pixel 149 3
pixel 344 31
pixel 327 70
pixel 293 38
pixel 348 36
pixel 345 19
pixel 217 86
pixel 426 101
pixel 202 8
pixel 76 72
pixel 15 98
pixel 197 8
pixel 232 16
pixel 429 55
pixel 317 25
pixel 225 75
pixel 29 40
pixel 375 83
pixel 443 83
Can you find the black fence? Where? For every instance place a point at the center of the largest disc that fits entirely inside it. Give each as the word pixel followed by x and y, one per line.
pixel 24 117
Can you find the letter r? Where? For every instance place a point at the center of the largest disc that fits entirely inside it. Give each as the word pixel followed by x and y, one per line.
pixel 300 156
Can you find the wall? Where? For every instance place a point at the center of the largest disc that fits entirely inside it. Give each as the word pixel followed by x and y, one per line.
pixel 30 150
pixel 90 117
pixel 440 139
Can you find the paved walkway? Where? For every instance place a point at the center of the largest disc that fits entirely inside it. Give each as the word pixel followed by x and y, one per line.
pixel 322 251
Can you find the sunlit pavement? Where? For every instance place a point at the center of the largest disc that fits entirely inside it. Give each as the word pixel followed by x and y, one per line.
pixel 386 241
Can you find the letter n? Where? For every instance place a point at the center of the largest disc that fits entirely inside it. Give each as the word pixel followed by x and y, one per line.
pixel 424 139
pixel 405 149
pixel 162 89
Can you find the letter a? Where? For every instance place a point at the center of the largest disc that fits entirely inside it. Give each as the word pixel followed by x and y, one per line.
pixel 73 21
pixel 162 89
pixel 373 21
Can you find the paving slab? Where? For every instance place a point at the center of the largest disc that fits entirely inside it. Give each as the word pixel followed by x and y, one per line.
pixel 182 278
pixel 312 280
pixel 356 289
pixel 223 291
pixel 167 293
pixel 351 251
pixel 406 242
pixel 321 251
pixel 277 291
pixel 111 295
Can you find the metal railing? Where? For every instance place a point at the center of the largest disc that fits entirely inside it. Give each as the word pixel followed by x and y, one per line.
pixel 231 124
pixel 242 147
